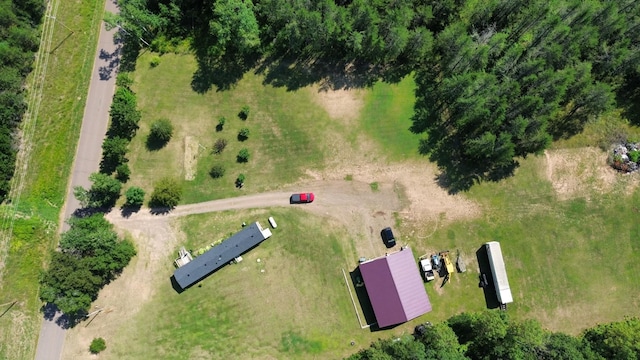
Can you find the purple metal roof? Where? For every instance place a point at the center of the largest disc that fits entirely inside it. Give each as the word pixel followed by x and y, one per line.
pixel 395 288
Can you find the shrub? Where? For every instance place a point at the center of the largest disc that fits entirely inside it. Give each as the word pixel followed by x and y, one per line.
pixel 217 171
pixel 240 181
pixel 155 61
pixel 243 155
pixel 219 146
pixel 244 112
pixel 634 155
pixel 167 193
pixel 97 345
pixel 243 134
pixel 162 130
pixel 114 150
pixel 221 121
pixel 124 80
pixel 135 196
pixel 123 173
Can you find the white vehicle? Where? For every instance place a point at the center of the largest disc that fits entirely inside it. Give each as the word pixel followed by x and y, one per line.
pixel 499 272
pixel 272 222
pixel 427 269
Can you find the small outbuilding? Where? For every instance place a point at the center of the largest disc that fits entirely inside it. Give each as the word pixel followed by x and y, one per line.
pixel 395 288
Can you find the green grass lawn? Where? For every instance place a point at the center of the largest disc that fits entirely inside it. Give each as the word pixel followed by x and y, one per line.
pixel 386 117
pixel 293 303
pixel 286 131
pixel 37 209
pixel 571 264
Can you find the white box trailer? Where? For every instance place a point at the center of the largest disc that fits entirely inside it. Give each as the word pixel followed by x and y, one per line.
pixel 499 272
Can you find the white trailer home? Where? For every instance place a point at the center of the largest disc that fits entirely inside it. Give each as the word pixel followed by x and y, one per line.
pixel 499 273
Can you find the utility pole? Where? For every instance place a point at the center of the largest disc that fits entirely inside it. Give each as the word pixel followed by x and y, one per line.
pixel 128 33
pixel 59 22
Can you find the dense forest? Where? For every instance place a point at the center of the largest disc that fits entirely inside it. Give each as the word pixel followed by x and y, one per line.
pixel 19 39
pixel 497 80
pixel 492 335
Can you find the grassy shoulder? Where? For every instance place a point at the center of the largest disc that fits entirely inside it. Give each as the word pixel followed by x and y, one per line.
pixel 37 210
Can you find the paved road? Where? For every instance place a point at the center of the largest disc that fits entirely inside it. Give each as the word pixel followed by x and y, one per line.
pixel 87 159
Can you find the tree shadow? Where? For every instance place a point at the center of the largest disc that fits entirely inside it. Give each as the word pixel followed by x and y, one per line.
pixel 154 144
pixel 88 211
pixel 294 73
pixel 127 211
pixel 51 312
pixel 159 210
pixel 222 73
pixel 458 173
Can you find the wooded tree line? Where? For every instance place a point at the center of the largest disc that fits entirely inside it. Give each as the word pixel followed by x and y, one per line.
pixel 492 335
pixel 90 256
pixel 19 40
pixel 496 80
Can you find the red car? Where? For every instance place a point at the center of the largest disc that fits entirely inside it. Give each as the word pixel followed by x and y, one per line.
pixel 302 198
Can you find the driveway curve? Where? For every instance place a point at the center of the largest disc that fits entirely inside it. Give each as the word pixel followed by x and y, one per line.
pixel 332 197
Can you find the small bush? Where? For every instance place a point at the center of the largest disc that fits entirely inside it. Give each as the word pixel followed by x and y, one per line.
pixel 634 155
pixel 162 130
pixel 244 112
pixel 124 80
pixel 217 171
pixel 240 181
pixel 167 193
pixel 219 146
pixel 221 121
pixel 155 61
pixel 135 196
pixel 243 155
pixel 97 345
pixel 123 173
pixel 243 134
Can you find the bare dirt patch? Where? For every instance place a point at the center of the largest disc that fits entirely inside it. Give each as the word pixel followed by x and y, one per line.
pixel 340 104
pixel 190 157
pixel 576 172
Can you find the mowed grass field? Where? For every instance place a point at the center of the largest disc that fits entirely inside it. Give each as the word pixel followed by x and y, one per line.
pixel 290 134
pixel 571 263
pixel 286 299
pixel 285 138
pixel 33 215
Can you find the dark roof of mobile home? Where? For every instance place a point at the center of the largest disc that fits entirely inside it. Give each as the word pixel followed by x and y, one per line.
pixel 220 255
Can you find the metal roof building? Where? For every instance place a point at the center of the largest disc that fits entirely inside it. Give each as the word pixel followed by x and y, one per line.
pixel 220 255
pixel 395 288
